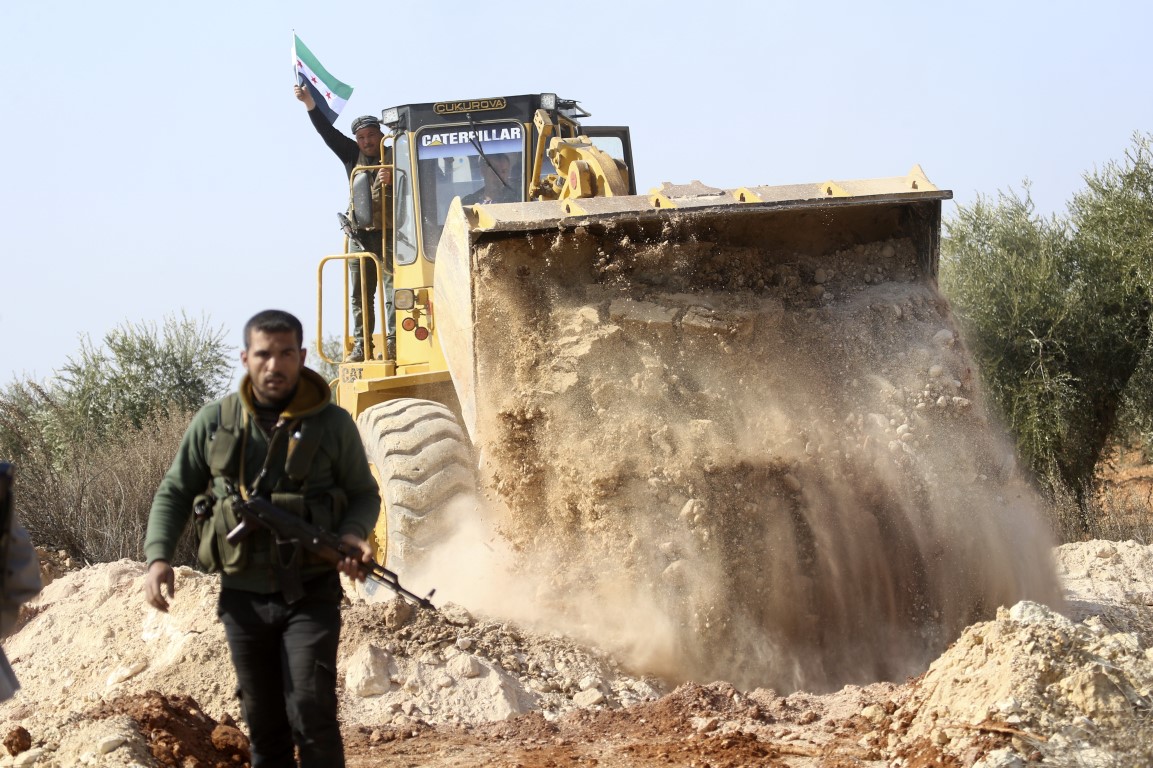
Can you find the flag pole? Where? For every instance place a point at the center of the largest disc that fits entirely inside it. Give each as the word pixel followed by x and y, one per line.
pixel 295 71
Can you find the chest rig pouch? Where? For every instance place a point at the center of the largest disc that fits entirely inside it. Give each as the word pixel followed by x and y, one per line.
pixel 225 453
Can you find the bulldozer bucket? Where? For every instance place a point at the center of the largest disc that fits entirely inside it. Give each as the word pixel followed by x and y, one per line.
pixel 783 223
pixel 741 423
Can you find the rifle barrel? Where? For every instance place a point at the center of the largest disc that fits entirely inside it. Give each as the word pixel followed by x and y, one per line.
pixel 264 513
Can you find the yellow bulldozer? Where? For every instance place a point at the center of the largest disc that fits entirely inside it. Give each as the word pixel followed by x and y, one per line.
pixel 738 420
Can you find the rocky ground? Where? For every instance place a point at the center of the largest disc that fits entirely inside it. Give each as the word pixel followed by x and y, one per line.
pixel 107 682
pixel 739 507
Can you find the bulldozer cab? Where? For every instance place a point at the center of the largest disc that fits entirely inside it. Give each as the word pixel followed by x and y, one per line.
pixel 483 151
pixel 489 151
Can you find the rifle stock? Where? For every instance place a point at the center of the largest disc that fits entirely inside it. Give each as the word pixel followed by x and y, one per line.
pixel 261 513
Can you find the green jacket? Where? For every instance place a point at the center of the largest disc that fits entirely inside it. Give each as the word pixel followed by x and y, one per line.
pixel 338 490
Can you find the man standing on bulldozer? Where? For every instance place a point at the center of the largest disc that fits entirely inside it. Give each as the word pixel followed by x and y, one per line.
pixel 363 150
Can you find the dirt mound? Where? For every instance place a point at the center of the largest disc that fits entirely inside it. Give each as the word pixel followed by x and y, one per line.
pixel 178 733
pixel 1063 690
pixel 110 683
pixel 731 463
pixel 92 653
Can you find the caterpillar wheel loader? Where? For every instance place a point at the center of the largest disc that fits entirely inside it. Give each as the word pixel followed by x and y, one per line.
pixel 407 405
pixel 746 410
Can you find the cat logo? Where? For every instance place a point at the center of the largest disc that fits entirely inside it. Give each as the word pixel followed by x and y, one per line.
pixel 476 105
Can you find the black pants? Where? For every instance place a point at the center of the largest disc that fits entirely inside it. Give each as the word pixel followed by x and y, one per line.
pixel 363 304
pixel 285 661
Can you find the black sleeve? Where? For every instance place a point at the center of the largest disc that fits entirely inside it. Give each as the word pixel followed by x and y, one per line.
pixel 341 145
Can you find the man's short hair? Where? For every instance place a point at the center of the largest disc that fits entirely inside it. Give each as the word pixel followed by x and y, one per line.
pixel 365 121
pixel 273 321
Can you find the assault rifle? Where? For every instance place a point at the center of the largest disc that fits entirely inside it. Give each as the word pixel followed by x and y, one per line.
pixel 291 529
pixel 346 225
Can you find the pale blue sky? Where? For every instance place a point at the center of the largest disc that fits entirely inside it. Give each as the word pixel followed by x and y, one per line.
pixel 154 160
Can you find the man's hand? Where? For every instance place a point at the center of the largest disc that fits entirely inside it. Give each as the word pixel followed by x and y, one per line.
pixel 160 575
pixel 304 96
pixel 384 176
pixel 350 566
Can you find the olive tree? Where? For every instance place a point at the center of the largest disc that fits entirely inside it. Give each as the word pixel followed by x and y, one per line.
pixel 1115 216
pixel 141 370
pixel 1056 311
pixel 91 444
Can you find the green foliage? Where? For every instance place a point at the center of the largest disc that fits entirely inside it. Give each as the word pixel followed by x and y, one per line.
pixel 91 445
pixel 140 371
pixel 1057 314
pixel 333 348
pixel 1002 268
pixel 1115 214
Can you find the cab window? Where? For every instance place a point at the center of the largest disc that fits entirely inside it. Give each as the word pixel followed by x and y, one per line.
pixel 404 225
pixel 477 163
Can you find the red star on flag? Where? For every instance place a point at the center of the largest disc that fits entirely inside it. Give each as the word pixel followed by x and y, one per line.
pixel 327 96
pixel 314 79
pixel 299 64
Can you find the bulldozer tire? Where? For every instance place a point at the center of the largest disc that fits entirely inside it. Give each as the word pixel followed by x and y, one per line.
pixel 424 464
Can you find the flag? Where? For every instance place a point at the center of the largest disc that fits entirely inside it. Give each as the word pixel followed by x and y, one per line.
pixel 329 93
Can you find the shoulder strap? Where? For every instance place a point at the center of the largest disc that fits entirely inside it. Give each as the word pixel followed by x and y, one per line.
pixel 225 442
pixel 231 416
pixel 302 447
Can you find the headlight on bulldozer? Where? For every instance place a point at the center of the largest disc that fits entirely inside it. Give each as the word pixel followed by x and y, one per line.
pixel 404 298
pixel 548 101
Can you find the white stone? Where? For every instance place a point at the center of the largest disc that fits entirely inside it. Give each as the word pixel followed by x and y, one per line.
pixel 456 614
pixel 120 674
pixel 366 671
pixel 110 744
pixel 589 698
pixel 464 665
pixel 1028 612
pixel 704 724
pixel 1009 706
pixel 30 757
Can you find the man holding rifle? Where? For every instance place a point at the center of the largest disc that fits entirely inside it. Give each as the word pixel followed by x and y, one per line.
pixel 281 440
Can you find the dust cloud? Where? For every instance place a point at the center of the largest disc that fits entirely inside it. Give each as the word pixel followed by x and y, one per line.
pixel 720 462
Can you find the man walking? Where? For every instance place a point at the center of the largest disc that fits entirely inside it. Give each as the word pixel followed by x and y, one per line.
pixel 281 438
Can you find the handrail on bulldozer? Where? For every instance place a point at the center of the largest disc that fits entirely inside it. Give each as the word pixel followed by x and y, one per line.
pixel 366 332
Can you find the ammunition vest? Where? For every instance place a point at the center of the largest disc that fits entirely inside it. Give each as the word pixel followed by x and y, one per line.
pixel 379 192
pixel 283 480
